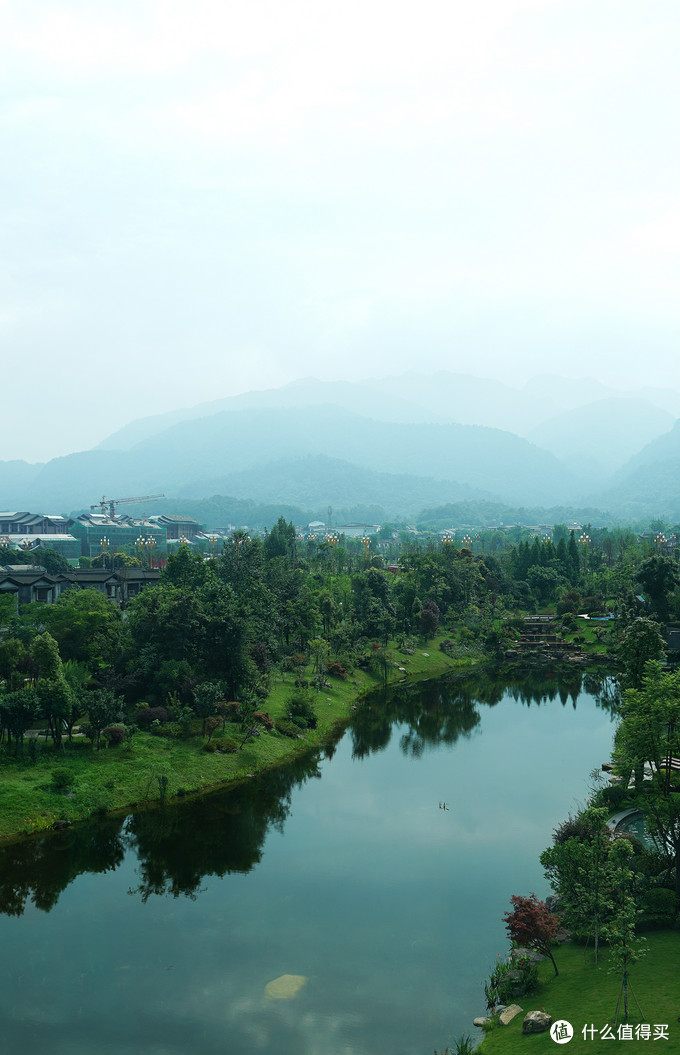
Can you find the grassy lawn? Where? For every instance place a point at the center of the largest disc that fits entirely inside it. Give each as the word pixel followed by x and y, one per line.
pixel 585 994
pixel 125 776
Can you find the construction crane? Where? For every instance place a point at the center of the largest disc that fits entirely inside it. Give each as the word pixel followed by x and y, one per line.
pixel 113 502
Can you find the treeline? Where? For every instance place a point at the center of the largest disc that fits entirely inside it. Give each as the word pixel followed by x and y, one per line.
pixel 219 628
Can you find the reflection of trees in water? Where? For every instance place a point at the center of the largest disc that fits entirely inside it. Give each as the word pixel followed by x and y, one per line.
pixel 441 712
pixel 40 869
pixel 176 846
pixel 218 835
pixel 222 833
pixel 434 715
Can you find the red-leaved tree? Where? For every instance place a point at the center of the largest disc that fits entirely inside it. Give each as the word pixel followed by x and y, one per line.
pixel 532 925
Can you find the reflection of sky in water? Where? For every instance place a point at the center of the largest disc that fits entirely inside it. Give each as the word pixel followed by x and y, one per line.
pixel 390 906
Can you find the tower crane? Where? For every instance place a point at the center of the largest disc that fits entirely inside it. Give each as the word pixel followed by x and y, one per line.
pixel 113 502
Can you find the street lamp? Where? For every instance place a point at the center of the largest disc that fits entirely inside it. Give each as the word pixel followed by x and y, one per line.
pixel 467 542
pixel 332 539
pixel 660 540
pixel 366 542
pixel 104 543
pixel 584 541
pixel 212 539
pixel 140 546
pixel 448 539
pixel 150 542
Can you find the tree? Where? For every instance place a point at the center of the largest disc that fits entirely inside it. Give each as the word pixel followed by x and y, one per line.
pixel 429 619
pixel 17 711
pixel 532 925
pixel 103 708
pixel 206 699
pixel 54 693
pixel 578 872
pixel 620 932
pixel 658 576
pixel 86 626
pixel 52 561
pixel 649 732
pixel 641 642
pixel 280 542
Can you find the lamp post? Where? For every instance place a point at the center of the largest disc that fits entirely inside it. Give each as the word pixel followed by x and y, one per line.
pixel 447 540
pixel 212 539
pixel 238 538
pixel 104 543
pixel 467 542
pixel 366 542
pixel 150 542
pixel 660 540
pixel 584 541
pixel 332 538
pixel 140 546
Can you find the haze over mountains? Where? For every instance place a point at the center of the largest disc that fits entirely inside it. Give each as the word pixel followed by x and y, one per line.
pixel 397 444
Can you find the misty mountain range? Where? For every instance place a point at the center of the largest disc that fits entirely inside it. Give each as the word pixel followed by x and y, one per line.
pixel 395 445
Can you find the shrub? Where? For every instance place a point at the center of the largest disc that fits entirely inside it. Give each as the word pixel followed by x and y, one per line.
pixel 660 907
pixel 147 715
pixel 210 746
pixel 34 748
pixel 613 796
pixel 230 711
pixel 63 779
pixel 226 745
pixel 300 706
pixel 336 670
pixel 572 828
pixel 288 729
pixel 263 718
pixel 114 734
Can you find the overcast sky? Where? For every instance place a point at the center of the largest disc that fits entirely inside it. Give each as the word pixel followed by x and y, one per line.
pixel 201 199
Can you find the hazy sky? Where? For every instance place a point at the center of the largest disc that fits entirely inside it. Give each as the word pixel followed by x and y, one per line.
pixel 200 199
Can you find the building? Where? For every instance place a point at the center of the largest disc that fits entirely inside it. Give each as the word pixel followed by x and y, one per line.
pixel 176 525
pixel 27 583
pixel 34 524
pixel 98 532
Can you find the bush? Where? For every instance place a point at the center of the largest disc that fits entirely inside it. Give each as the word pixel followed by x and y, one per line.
pixel 264 719
pixel 336 670
pixel 63 779
pixel 288 729
pixel 572 828
pixel 613 796
pixel 210 746
pixel 300 706
pixel 230 711
pixel 659 908
pixel 226 745
pixel 114 734
pixel 147 715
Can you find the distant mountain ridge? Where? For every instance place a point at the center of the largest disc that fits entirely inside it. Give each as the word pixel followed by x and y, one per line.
pixel 400 443
pixel 416 398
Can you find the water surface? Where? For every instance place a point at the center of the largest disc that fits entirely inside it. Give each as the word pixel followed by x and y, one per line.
pixel 158 933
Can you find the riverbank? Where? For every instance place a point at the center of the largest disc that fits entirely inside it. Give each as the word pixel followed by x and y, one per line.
pixel 586 994
pixel 77 783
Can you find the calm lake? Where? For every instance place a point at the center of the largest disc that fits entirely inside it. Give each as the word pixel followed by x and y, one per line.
pixel 159 933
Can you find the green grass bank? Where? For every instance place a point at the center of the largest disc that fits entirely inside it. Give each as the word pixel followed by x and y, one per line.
pixel 78 782
pixel 585 994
